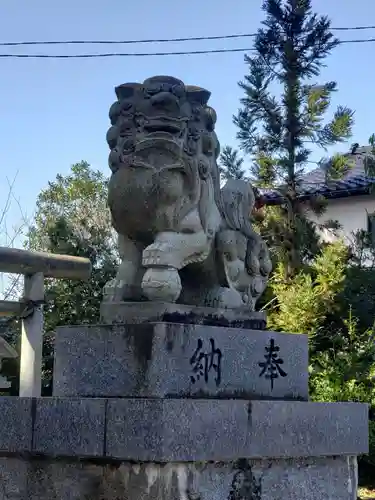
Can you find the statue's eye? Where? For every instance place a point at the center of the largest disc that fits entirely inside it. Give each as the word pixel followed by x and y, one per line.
pixel 126 106
pixel 128 145
pixel 193 135
pixel 126 128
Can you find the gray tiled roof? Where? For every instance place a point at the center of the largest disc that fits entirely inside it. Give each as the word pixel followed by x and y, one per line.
pixel 354 183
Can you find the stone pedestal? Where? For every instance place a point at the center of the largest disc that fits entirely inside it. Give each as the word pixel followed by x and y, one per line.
pixel 79 448
pixel 166 360
pixel 166 411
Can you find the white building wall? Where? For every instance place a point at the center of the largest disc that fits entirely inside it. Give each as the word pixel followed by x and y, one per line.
pixel 350 212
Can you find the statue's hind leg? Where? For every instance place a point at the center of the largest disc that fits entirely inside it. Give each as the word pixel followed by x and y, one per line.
pixel 127 283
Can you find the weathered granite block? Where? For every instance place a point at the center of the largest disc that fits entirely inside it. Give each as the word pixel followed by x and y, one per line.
pixel 163 430
pixel 224 430
pixel 187 449
pixel 186 430
pixel 14 474
pixel 138 426
pixel 308 429
pixel 333 478
pixel 15 424
pixel 73 427
pixel 175 360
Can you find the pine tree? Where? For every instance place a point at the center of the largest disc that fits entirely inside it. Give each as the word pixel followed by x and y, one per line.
pixel 231 164
pixel 279 132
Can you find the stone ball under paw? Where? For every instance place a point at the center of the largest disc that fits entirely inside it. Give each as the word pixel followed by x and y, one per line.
pixel 161 284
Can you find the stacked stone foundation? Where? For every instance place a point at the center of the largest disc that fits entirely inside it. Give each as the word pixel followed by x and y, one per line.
pixel 170 411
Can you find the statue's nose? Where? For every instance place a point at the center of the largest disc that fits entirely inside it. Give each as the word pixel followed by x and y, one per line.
pixel 164 99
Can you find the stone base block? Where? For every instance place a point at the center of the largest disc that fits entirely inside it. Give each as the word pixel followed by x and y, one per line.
pixel 151 430
pixel 152 312
pixel 298 479
pixel 111 449
pixel 167 360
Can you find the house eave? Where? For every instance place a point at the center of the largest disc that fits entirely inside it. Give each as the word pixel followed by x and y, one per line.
pixel 326 193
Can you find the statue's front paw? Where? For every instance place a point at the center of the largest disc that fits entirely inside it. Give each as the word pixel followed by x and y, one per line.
pixel 160 253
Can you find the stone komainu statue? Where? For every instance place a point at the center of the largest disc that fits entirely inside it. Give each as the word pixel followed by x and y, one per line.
pixel 181 237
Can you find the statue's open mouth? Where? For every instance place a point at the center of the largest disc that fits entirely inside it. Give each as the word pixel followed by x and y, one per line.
pixel 161 140
pixel 157 151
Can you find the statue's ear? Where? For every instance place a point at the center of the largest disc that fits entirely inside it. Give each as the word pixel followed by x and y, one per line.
pixel 126 90
pixel 197 94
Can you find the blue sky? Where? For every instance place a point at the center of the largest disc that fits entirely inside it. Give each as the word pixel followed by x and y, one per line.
pixel 55 112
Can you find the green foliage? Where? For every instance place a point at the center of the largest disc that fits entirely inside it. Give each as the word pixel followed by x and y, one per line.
pixel 370 458
pixel 291 48
pixel 283 112
pixel 345 371
pixel 231 164
pixel 264 172
pixel 369 159
pixel 359 289
pixel 302 304
pixel 72 218
pixel 342 346
pixel 359 293
pixel 80 198
pixel 336 167
pixel 274 225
